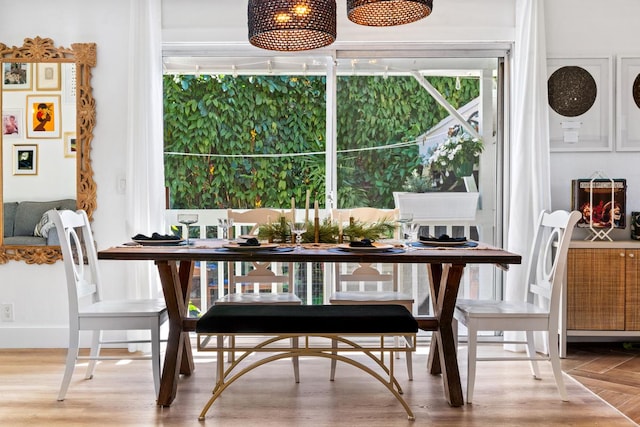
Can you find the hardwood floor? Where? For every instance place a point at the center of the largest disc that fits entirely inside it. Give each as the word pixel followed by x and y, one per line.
pixel 121 394
pixel 609 370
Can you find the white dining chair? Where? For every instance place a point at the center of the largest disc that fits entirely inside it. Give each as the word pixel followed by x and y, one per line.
pixel 89 312
pixel 363 277
pixel 261 282
pixel 538 312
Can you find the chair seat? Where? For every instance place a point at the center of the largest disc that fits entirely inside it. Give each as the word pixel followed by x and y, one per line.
pixel 284 298
pixel 118 308
pixel 505 309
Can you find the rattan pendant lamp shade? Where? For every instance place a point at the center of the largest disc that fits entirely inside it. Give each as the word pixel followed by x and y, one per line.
pixel 292 25
pixel 385 13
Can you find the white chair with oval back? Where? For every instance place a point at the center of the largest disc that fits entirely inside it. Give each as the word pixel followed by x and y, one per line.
pixel 89 312
pixel 538 312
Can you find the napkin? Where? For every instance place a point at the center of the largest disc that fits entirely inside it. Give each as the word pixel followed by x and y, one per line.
pixel 443 238
pixel 156 236
pixel 250 242
pixel 364 243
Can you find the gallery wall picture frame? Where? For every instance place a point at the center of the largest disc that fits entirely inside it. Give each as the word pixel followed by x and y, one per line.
pixel 13 123
pixel 70 144
pixel 580 103
pixel 43 116
pixel 16 76
pixel 25 159
pixel 628 103
pixel 48 76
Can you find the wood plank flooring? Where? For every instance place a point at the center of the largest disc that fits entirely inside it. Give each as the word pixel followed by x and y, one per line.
pixel 610 371
pixel 121 393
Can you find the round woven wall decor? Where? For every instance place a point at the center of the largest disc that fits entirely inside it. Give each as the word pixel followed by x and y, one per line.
pixel 572 91
pixel 635 91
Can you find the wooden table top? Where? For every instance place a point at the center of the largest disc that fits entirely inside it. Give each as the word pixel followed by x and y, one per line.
pixel 213 250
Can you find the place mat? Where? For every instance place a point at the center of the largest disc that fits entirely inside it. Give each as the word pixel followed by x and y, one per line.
pixel 159 242
pixel 261 247
pixel 254 249
pixel 439 245
pixel 467 246
pixel 375 248
pixel 390 250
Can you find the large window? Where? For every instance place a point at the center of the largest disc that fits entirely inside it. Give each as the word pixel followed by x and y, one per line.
pixel 351 128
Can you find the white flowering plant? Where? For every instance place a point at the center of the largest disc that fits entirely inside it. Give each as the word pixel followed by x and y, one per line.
pixel 457 154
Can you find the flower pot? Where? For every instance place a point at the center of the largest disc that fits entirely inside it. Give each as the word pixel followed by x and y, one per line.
pixel 438 207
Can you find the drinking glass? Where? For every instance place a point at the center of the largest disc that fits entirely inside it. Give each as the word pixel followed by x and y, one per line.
pixel 411 229
pixel 298 228
pixel 403 219
pixel 225 224
pixel 187 220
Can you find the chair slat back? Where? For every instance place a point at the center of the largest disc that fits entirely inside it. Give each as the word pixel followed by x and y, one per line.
pixel 79 257
pixel 548 259
pixel 261 275
pixel 254 218
pixel 365 273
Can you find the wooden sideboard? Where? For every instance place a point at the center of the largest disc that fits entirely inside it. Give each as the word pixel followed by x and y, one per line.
pixel 602 293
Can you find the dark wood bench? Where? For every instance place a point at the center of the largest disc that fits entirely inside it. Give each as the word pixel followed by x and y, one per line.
pixel 307 330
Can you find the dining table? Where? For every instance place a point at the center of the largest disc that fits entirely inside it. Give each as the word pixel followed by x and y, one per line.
pixel 445 267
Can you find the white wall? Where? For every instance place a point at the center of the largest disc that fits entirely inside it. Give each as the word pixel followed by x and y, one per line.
pixel 38 292
pixel 574 27
pixel 579 28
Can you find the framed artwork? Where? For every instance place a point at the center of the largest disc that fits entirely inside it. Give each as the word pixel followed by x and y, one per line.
pixel 25 159
pixel 43 116
pixel 580 104
pixel 47 76
pixel 602 202
pixel 70 144
pixel 12 123
pixel 628 104
pixel 16 76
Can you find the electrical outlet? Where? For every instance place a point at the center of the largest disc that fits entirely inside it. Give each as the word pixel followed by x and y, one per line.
pixel 6 312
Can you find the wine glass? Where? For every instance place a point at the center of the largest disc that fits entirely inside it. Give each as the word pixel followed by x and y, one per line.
pixel 225 224
pixel 298 228
pixel 187 220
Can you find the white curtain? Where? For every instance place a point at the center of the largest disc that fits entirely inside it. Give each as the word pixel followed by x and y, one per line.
pixel 145 202
pixel 530 189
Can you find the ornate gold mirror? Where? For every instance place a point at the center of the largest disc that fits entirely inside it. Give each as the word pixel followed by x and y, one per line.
pixel 48 116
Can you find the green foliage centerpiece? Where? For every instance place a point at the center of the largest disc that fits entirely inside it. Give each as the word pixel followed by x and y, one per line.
pixel 279 232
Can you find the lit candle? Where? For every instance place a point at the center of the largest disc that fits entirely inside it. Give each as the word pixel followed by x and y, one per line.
pixel 293 208
pixel 316 211
pixel 340 224
pixel 306 207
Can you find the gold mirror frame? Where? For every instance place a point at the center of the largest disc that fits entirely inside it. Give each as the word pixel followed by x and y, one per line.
pixel 83 55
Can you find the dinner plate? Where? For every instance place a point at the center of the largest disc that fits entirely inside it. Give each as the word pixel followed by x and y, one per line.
pixel 377 247
pixel 263 246
pixel 155 242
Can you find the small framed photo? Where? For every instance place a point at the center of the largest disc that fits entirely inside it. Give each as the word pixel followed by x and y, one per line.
pixel 47 76
pixel 43 116
pixel 70 144
pixel 580 104
pixel 16 76
pixel 12 124
pixel 25 159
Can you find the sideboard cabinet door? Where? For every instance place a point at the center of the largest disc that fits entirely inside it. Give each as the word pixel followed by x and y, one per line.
pixel 596 289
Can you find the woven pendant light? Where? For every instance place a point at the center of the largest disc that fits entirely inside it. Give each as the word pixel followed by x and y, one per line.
pixel 292 25
pixel 385 13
